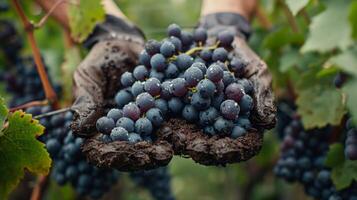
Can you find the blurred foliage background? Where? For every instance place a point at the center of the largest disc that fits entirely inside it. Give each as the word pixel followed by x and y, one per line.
pixel 277 38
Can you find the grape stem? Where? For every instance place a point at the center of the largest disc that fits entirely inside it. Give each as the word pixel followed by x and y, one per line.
pixel 63 110
pixel 29 28
pixel 263 18
pixel 289 16
pixel 193 50
pixel 39 188
pixel 29 104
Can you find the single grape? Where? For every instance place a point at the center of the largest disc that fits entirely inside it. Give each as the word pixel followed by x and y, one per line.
pixel 217 100
pixel 178 86
pixel 175 106
pixel 206 54
pixel 199 102
pixel 234 91
pixel 145 101
pixel 351 151
pixel 137 88
pixel 209 130
pixel 247 86
pixel 57 120
pixel 115 114
pixel 230 109
pixel 208 116
pixel 123 97
pixel 244 122
pixel 53 146
pixel 246 103
pixel 186 38
pixel 238 66
pixel 238 132
pixel 126 123
pixel 144 58
pixel 152 47
pixel 225 38
pixel 199 60
pixel 192 76
pixel 187 98
pixel 119 133
pixel 162 105
pixel 339 80
pixel 158 75
pixel 219 54
pixel 140 72
pixel 223 126
pixel 171 71
pixel 200 66
pixel 228 78
pixel 105 125
pixel 184 61
pixel 214 73
pixel 167 49
pixel 127 79
pixel 106 138
pixel 174 30
pixel 200 35
pixel 177 42
pixel 190 113
pixel 143 126
pixel 152 86
pixel 155 116
pixel 134 138
pixel 206 88
pixel 158 62
pixel 166 92
pixel 131 111
pixel 71 172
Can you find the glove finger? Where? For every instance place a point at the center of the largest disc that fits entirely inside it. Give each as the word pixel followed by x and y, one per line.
pixel 97 79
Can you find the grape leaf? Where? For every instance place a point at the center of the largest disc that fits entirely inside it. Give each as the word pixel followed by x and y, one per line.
pixel 20 150
pixel 343 171
pixel 329 29
pixel 350 88
pixel 346 61
pixel 288 60
pixel 353 18
pixel 83 16
pixel 319 103
pixel 3 112
pixel 296 5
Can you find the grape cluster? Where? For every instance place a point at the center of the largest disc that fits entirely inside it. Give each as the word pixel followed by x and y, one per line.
pixel 351 141
pixel 340 79
pixel 10 41
pixel 157 181
pixel 302 160
pixel 70 165
pixel 204 85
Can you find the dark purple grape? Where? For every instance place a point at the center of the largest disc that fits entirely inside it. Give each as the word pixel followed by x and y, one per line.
pixel 200 66
pixel 206 88
pixel 199 102
pixel 115 114
pixel 220 54
pixel 228 78
pixel 131 111
pixel 174 30
pixel 234 91
pixel 127 79
pixel 351 151
pixel 225 38
pixel 217 100
pixel 171 71
pixel 209 130
pixel 186 38
pixel 166 92
pixel 178 86
pixel 238 66
pixel 167 49
pixel 143 126
pixel 140 72
pixel 206 54
pixel 158 75
pixel 190 114
pixel 145 101
pixel 162 105
pixel 223 126
pixel 246 103
pixel 119 133
pixel 158 62
pixel 175 106
pixel 238 132
pixel 247 85
pixel 192 76
pixel 144 58
pixel 137 88
pixel 126 123
pixel 200 35
pixel 177 42
pixel 184 61
pixel 105 125
pixel 152 47
pixel 152 86
pixel 155 116
pixel 134 138
pixel 244 122
pixel 214 73
pixel 208 116
pixel 230 109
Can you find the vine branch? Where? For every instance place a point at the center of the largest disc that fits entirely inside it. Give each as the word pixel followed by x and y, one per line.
pixel 29 104
pixel 39 188
pixel 44 18
pixel 29 28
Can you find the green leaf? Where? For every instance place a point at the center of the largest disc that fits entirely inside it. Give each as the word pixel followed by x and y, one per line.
pixel 335 155
pixel 346 61
pixel 282 37
pixel 21 150
pixel 3 112
pixel 330 29
pixel 343 171
pixel 83 16
pixel 72 58
pixel 350 88
pixel 319 103
pixel 296 5
pixel 328 71
pixel 288 60
pixel 353 18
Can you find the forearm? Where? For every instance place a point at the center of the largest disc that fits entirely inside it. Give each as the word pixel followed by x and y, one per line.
pixel 246 8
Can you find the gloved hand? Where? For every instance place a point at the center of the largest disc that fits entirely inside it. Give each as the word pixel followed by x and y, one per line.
pixel 115 46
